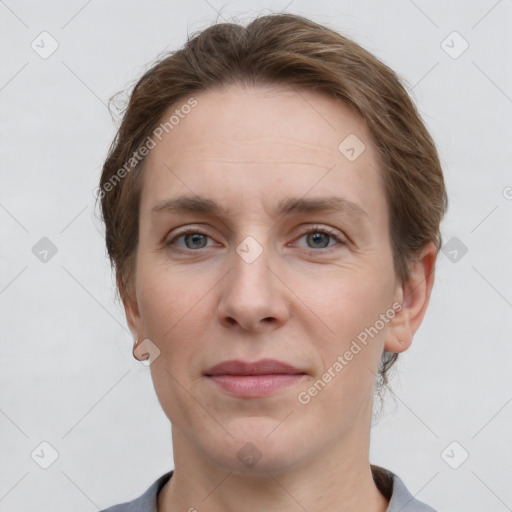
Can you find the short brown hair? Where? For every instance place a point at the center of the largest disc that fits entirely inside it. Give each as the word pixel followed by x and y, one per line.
pixel 290 50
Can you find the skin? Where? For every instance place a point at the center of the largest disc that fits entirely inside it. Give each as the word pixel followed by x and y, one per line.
pixel 303 300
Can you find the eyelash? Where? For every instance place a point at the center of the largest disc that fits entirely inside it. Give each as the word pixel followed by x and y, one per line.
pixel 311 229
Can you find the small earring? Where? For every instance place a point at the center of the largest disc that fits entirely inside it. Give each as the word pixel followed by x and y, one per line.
pixel 138 352
pixel 145 351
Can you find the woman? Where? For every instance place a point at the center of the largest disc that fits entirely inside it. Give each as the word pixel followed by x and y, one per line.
pixel 272 204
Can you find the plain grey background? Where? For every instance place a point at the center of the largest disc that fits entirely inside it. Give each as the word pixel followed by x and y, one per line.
pixel 67 376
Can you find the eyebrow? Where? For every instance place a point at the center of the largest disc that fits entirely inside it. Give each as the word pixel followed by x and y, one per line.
pixel 198 204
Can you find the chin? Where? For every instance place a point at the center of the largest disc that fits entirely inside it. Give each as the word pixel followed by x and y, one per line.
pixel 259 448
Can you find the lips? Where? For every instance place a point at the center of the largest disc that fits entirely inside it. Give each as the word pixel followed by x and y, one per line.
pixel 259 379
pixel 261 367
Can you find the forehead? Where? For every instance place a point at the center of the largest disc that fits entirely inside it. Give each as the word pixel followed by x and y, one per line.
pixel 274 140
pixel 236 117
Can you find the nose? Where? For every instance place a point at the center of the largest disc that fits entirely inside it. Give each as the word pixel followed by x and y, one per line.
pixel 253 294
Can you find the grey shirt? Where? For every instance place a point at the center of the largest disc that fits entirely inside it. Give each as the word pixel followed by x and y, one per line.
pixel 401 499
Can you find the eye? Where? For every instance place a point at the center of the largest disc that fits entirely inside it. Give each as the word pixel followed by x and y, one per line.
pixel 195 239
pixel 318 237
pixel 192 237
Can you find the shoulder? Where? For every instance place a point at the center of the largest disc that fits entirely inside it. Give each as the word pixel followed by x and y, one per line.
pixel 147 501
pixel 401 499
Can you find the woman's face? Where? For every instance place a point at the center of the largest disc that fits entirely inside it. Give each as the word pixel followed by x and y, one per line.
pixel 256 283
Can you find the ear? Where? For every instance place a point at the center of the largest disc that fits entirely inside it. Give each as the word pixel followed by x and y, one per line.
pixel 132 312
pixel 414 295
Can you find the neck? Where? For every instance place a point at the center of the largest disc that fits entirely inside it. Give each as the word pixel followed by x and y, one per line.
pixel 336 480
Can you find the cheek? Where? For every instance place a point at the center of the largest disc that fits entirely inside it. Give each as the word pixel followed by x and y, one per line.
pixel 351 346
pixel 351 338
pixel 347 300
pixel 166 310
pixel 165 297
pixel 174 318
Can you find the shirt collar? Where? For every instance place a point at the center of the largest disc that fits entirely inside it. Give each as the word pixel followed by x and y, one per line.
pixel 401 499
